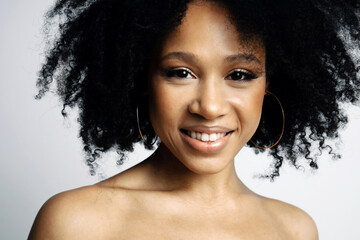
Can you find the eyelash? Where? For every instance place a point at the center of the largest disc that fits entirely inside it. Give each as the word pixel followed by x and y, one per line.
pixel 175 73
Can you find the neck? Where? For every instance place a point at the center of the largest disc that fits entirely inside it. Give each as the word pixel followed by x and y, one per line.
pixel 170 174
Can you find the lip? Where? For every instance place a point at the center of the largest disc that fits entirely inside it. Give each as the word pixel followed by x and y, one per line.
pixel 207 147
pixel 208 130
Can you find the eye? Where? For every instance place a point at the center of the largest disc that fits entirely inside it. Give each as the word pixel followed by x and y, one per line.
pixel 178 73
pixel 241 75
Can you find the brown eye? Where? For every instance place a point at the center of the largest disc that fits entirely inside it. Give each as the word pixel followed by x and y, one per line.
pixel 178 73
pixel 241 76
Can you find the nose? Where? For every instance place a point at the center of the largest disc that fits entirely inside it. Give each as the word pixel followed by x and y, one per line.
pixel 210 100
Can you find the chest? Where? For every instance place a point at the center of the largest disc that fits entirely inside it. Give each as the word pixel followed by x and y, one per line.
pixel 198 225
pixel 152 217
pixel 166 231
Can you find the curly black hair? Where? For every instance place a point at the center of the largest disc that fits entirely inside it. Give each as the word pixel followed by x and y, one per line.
pixel 103 49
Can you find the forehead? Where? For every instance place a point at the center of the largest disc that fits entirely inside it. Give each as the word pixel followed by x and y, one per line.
pixel 207 28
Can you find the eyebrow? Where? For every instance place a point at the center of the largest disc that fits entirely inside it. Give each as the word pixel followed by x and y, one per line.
pixel 243 58
pixel 189 57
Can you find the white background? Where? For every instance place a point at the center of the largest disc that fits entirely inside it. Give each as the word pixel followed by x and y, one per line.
pixel 40 153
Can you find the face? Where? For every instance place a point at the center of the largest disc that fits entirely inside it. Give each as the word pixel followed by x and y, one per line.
pixel 206 89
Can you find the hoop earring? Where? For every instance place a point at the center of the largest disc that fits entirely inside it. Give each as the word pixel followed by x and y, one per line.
pixel 142 137
pixel 283 125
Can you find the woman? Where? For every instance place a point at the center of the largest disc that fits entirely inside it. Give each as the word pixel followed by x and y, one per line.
pixel 195 74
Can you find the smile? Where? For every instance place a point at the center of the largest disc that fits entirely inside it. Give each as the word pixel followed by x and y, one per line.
pixel 204 137
pixel 206 141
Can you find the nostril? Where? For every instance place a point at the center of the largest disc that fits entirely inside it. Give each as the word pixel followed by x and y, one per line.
pixel 209 103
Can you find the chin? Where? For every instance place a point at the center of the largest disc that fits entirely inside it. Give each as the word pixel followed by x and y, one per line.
pixel 207 165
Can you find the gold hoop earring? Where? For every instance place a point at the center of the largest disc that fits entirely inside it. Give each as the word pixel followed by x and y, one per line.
pixel 142 137
pixel 283 125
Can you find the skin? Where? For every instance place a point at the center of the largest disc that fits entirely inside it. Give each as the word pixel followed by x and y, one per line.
pixel 180 192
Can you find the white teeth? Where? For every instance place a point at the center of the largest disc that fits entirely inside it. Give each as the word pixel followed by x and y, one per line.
pixel 212 137
pixel 206 137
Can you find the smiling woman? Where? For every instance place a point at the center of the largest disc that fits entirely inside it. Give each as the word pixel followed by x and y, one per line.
pixel 221 83
pixel 194 74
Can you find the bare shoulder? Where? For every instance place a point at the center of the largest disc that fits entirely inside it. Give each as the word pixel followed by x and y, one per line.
pixel 93 212
pixel 297 222
pixel 81 213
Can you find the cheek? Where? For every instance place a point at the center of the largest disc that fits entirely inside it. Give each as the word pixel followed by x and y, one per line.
pixel 163 106
pixel 257 103
pixel 158 101
pixel 248 109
